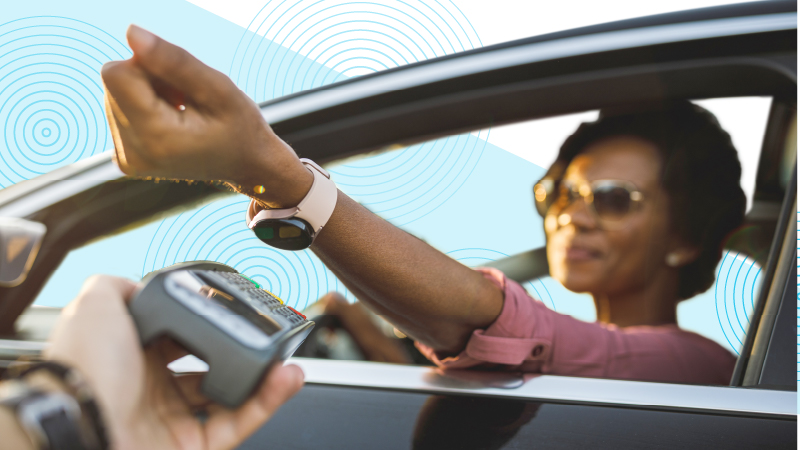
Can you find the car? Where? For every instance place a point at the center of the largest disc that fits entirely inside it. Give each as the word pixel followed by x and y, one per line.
pixel 732 51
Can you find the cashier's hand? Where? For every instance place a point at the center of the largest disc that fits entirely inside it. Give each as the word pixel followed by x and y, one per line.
pixel 172 116
pixel 143 404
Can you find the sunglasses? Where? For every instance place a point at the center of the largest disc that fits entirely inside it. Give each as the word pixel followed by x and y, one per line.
pixel 609 201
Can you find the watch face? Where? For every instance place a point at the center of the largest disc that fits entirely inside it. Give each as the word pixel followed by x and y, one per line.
pixel 285 234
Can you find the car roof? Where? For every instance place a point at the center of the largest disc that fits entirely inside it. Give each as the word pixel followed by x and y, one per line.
pixel 734 10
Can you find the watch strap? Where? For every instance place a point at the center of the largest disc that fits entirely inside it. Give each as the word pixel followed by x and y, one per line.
pixel 52 411
pixel 62 431
pixel 315 208
pixel 51 419
pixel 318 205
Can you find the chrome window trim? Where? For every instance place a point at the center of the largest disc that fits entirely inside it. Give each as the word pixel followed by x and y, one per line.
pixel 562 389
pixel 639 394
pixel 11 350
pixel 719 399
pixel 784 267
pixel 526 54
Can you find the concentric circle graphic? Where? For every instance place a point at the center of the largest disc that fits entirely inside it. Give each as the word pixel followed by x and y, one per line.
pixel 51 95
pixel 407 184
pixel 294 45
pixel 735 290
pixel 476 257
pixel 217 232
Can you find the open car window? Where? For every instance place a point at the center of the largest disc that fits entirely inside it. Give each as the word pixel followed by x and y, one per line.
pixel 468 195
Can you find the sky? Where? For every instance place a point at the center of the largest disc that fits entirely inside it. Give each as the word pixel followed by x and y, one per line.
pixel 505 20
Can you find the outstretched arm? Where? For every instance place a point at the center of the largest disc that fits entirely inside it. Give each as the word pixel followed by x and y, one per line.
pixel 422 291
pixel 174 117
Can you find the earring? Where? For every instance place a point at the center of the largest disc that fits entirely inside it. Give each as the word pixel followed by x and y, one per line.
pixel 673 260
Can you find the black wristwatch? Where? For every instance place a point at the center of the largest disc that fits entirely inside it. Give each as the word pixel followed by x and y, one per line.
pixel 51 419
pixel 55 420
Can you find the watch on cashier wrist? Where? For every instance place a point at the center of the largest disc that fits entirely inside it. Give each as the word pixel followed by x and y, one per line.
pixel 296 228
pixel 53 418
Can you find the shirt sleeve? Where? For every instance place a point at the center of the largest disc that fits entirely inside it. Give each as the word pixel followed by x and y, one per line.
pixel 527 336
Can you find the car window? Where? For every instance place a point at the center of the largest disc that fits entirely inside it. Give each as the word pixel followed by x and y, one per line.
pixel 468 195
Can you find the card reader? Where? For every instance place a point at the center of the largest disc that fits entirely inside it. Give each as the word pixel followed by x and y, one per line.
pixel 222 317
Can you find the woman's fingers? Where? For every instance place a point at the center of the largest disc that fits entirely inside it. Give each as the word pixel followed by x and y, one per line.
pixel 136 115
pixel 226 428
pixel 127 144
pixel 134 100
pixel 176 66
pixel 172 116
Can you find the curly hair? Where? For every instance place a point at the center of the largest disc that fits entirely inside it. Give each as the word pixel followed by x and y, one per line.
pixel 700 172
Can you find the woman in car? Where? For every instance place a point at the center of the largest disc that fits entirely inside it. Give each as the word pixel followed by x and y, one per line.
pixel 636 209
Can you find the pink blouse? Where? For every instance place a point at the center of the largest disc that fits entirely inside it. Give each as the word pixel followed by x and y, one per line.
pixel 529 337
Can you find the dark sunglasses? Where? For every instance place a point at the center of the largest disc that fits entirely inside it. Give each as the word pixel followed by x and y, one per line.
pixel 609 201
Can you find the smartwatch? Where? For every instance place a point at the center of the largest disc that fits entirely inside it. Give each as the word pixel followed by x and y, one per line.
pixel 55 420
pixel 295 228
pixel 50 419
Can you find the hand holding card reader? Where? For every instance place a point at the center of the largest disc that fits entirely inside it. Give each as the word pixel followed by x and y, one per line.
pixel 223 318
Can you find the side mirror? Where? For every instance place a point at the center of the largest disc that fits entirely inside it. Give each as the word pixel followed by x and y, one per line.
pixel 19 243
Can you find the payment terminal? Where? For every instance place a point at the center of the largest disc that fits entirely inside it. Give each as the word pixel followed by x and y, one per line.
pixel 222 317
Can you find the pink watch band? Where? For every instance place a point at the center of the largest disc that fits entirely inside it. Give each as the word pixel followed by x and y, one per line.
pixel 316 208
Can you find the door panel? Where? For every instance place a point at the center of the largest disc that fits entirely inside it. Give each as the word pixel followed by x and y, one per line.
pixel 335 417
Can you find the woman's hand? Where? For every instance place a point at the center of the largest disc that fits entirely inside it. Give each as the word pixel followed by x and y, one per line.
pixel 143 404
pixel 359 322
pixel 172 116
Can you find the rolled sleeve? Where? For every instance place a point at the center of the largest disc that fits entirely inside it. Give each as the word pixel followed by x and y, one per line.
pixel 529 337
pixel 520 334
